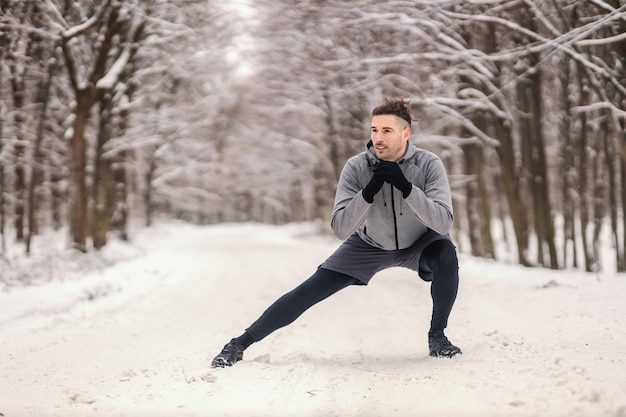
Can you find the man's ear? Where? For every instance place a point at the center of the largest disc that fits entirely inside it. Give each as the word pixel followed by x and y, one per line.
pixel 406 132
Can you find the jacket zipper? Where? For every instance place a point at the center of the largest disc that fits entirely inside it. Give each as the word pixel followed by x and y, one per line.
pixel 395 221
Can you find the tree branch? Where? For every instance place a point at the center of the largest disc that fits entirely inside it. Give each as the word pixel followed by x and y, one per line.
pixel 71 33
pixel 79 29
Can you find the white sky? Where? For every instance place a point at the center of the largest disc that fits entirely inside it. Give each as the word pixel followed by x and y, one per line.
pixel 243 42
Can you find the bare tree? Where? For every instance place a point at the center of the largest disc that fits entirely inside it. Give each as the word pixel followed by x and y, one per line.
pixel 114 31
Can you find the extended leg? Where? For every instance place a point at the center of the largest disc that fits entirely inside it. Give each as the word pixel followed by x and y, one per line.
pixel 322 284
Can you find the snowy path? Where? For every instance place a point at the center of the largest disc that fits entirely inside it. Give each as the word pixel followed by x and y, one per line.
pixel 135 338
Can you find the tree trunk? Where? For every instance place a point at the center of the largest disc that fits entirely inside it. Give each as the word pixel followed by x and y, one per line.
pixel 622 170
pixel 103 191
pixel 506 153
pixel 617 52
pixel 330 164
pixel 542 181
pixel 17 79
pixel 612 190
pixel 78 160
pixel 568 167
pixel 598 196
pixel 119 220
pixel 527 152
pixel 59 195
pixel 583 179
pixel 147 196
pixel 36 171
pixel 477 203
pixel 2 190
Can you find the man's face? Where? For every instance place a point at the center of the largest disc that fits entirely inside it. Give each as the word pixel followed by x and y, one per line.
pixel 389 135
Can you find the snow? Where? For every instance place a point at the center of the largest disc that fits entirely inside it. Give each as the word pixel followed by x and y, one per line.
pixel 78 29
pixel 131 330
pixel 112 77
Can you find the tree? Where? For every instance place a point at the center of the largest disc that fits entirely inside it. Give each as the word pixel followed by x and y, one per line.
pixel 3 43
pixel 36 172
pixel 115 31
pixel 210 111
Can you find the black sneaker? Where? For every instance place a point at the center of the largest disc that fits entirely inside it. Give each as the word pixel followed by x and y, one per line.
pixel 230 354
pixel 440 346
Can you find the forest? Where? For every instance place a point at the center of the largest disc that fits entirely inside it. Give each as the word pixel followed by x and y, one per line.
pixel 214 111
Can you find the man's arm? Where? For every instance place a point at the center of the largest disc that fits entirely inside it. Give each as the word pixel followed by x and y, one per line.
pixel 350 209
pixel 433 205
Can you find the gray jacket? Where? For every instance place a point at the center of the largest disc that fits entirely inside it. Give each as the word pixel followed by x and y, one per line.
pixel 392 222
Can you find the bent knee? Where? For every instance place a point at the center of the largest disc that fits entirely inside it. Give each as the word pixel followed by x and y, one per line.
pixel 441 254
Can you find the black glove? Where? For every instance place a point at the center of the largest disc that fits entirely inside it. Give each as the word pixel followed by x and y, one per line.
pixel 372 188
pixel 391 173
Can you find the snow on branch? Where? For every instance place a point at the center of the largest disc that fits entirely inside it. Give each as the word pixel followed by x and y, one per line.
pixel 54 11
pixel 602 41
pixel 447 106
pixel 13 27
pixel 112 77
pixel 78 29
pixel 599 106
pixel 562 43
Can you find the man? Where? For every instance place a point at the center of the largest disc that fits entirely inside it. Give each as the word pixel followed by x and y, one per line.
pixel 393 208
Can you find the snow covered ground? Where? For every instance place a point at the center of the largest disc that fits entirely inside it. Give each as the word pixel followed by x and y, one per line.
pixel 130 331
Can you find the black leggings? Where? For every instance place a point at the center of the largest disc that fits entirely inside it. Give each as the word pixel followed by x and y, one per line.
pixel 438 259
pixel 322 284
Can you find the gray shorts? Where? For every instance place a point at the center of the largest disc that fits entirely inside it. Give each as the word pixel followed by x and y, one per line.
pixel 362 261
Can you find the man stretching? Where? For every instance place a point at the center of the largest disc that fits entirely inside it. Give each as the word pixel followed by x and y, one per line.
pixel 393 207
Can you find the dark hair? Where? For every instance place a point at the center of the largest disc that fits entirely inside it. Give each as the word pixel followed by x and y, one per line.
pixel 396 106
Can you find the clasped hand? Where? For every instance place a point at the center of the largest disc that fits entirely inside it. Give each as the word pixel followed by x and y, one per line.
pixel 385 171
pixel 392 173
